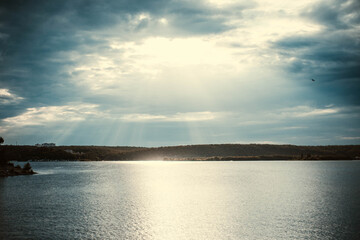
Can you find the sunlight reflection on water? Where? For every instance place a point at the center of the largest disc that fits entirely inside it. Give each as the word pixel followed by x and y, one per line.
pixel 182 200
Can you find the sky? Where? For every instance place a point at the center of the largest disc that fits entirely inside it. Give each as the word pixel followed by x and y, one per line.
pixel 173 72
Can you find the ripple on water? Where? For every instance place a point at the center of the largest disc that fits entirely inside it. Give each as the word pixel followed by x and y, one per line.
pixel 207 200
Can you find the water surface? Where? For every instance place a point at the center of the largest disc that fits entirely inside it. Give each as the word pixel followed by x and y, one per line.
pixel 183 200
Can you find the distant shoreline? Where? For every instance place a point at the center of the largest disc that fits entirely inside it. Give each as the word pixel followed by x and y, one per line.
pixel 196 160
pixel 209 152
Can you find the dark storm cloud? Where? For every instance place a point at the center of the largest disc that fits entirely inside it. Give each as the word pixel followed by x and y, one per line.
pixel 33 32
pixel 297 42
pixel 331 56
pixel 36 30
pixel 336 14
pixel 200 20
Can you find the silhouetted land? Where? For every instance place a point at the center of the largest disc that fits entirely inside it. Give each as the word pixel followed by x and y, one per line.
pixel 217 152
pixel 11 170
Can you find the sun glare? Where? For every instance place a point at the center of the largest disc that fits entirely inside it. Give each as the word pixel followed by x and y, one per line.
pixel 177 51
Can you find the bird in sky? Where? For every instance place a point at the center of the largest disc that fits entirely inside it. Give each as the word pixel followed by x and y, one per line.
pixel 313 80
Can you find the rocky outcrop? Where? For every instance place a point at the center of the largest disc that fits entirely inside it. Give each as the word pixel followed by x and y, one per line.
pixel 11 170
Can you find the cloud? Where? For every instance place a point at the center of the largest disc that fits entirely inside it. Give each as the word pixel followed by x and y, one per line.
pixel 335 14
pixel 8 98
pixel 69 124
pixel 288 115
pixel 331 55
pixel 306 111
pixel 178 117
pixel 40 41
pixel 293 128
pixel 80 112
pixel 221 68
pixel 350 138
pixel 50 114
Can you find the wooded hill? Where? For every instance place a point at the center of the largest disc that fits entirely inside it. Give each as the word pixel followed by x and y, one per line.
pixel 190 152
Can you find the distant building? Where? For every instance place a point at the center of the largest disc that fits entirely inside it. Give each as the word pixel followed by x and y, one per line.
pixel 45 145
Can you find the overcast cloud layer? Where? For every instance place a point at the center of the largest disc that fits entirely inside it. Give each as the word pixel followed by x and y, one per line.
pixel 151 73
